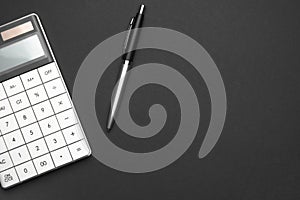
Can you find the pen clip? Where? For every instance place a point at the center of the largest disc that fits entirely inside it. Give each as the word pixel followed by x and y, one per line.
pixel 128 34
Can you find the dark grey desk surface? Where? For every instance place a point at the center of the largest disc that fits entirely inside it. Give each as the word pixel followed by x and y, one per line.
pixel 255 45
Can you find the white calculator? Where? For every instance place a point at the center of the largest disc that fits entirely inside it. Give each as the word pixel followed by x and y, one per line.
pixel 39 127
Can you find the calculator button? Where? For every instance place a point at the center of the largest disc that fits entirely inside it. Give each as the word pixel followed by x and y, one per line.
pixel 79 149
pixel 25 117
pixel 37 148
pixel 19 101
pixel 73 134
pixel 14 139
pixel 49 125
pixel 8 178
pixel 48 72
pixel 61 103
pixel 66 118
pixel 55 141
pixel 43 110
pixel 43 163
pixel 54 87
pixel 13 86
pixel 37 95
pixel 26 171
pixel 2 145
pixel 5 108
pixel 5 162
pixel 8 124
pixel 2 92
pixel 31 79
pixel 61 156
pixel 20 155
pixel 31 132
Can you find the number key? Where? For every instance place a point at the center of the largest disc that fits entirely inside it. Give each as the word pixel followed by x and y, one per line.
pixel 43 163
pixel 37 148
pixel 26 171
pixel 25 117
pixel 8 124
pixel 55 141
pixel 43 110
pixel 32 132
pixel 14 139
pixel 49 125
pixel 20 155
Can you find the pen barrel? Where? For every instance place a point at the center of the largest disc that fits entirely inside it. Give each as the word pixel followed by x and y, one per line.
pixel 133 38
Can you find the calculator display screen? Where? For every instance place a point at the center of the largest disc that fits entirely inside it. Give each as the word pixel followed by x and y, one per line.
pixel 20 52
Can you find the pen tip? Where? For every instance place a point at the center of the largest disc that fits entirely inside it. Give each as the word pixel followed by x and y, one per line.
pixel 108 127
pixel 109 123
pixel 142 8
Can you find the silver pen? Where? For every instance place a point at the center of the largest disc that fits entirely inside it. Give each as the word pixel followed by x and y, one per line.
pixel 129 47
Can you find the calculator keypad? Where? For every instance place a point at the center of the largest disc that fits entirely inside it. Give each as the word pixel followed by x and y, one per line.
pixel 39 129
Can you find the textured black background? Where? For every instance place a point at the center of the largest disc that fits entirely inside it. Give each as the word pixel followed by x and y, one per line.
pixel 255 46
